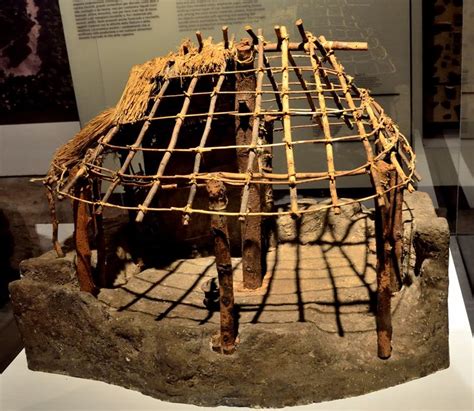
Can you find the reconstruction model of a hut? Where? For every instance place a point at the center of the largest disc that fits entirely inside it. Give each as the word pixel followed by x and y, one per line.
pixel 210 117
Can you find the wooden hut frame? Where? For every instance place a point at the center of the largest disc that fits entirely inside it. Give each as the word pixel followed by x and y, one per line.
pixel 238 71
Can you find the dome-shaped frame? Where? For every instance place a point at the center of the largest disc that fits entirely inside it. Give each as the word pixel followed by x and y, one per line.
pixel 232 80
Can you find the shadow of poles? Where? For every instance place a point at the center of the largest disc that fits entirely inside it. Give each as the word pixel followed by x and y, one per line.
pixel 139 296
pixel 190 289
pixel 371 293
pixel 271 280
pixel 299 291
pixel 211 300
pixel 335 293
pixel 340 243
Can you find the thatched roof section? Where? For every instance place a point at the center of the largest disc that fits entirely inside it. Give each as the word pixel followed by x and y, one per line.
pixel 69 154
pixel 144 78
pixel 132 106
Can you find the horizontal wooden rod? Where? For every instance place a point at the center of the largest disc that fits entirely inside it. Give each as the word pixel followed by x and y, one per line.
pixel 335 45
pixel 229 213
pixel 257 177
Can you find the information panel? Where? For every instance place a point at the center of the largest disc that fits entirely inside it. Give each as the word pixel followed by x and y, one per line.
pixel 106 38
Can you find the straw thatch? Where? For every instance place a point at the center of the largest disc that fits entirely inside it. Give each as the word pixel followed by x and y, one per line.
pixel 71 153
pixel 145 78
pixel 140 86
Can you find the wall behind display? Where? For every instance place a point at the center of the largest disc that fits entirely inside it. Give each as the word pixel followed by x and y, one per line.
pixel 37 103
pixel 105 39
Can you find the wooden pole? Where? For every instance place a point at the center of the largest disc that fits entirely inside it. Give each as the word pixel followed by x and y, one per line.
pixel 266 160
pixel 268 68
pixel 81 171
pixel 397 234
pixel 299 25
pixel 202 144
pixel 317 63
pixel 383 229
pixel 225 343
pixel 82 220
pixel 384 142
pixel 394 283
pixel 282 35
pixel 100 238
pixel 335 45
pixel 246 83
pixel 54 222
pixel 101 251
pixel 225 34
pixel 167 156
pixel 199 39
pixel 138 142
pixel 252 155
pixel 304 86
pixel 343 80
pixel 326 129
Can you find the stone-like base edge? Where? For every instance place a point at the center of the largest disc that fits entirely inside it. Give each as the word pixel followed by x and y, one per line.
pixel 69 332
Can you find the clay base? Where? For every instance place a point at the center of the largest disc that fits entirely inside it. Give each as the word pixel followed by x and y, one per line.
pixel 307 336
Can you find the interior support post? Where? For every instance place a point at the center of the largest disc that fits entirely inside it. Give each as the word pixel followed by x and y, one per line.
pixel 392 178
pixel 266 161
pixel 383 229
pixel 252 225
pixel 269 231
pixel 100 239
pixel 225 341
pixel 101 251
pixel 82 220
pixel 397 234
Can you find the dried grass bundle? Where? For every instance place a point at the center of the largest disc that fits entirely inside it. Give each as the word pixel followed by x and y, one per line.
pixel 71 153
pixel 144 78
pixel 138 90
pixel 212 58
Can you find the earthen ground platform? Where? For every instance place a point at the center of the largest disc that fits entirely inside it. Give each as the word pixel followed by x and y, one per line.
pixel 308 335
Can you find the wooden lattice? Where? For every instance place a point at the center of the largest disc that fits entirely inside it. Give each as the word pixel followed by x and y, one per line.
pixel 252 84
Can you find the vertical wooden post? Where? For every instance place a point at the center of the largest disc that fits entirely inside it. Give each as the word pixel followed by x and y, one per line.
pixel 266 161
pixel 252 226
pixel 282 35
pixel 383 226
pixel 101 251
pixel 392 182
pixel 54 222
pixel 266 165
pixel 81 239
pixel 225 342
pixel 397 234
pixel 100 239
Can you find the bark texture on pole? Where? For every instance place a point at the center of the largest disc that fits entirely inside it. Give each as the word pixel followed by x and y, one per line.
pixel 398 237
pixel 225 342
pixel 101 270
pixel 384 226
pixel 54 222
pixel 251 226
pixel 266 161
pixel 82 220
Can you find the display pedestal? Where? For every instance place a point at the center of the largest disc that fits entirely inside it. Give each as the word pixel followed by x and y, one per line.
pixel 450 389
